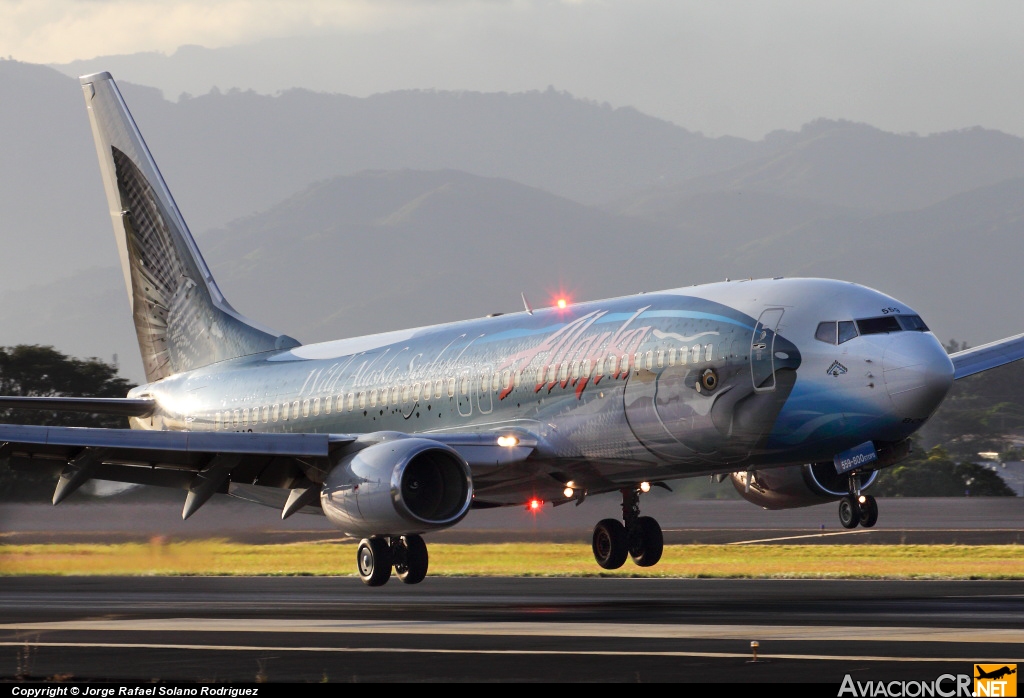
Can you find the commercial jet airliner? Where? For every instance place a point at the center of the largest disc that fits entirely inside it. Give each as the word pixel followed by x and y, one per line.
pixel 799 390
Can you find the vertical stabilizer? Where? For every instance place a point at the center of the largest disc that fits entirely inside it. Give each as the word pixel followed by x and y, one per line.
pixel 181 318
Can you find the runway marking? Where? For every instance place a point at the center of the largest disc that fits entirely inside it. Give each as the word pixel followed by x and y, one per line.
pixel 558 653
pixel 625 630
pixel 809 535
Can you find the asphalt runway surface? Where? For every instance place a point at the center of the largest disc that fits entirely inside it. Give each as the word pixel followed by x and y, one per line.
pixel 519 630
pixel 446 630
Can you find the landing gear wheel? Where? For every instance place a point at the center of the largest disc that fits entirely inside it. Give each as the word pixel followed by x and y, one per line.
pixel 610 545
pixel 373 558
pixel 849 512
pixel 868 512
pixel 646 542
pixel 410 555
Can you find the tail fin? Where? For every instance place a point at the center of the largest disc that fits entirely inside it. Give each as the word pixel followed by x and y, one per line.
pixel 181 318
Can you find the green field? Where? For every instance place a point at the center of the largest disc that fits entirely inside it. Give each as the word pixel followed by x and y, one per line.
pixel 222 558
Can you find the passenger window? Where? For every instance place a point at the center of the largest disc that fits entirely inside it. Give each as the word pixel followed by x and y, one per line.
pixel 316 406
pixel 405 393
pixel 275 412
pixel 563 372
pixel 495 381
pixel 327 405
pixel 585 368
pixel 451 387
pixel 708 351
pixel 373 398
pixel 517 379
pixel 362 399
pixel 234 418
pixel 695 354
pixel 284 412
pixel 672 356
pixel 613 364
pixel 661 358
pixel 683 353
pixel 649 360
pixel 295 409
pixel 847 331
pixel 351 401
pixel 826 332
pixel 217 421
pixel 575 370
pixel 438 387
pixel 305 407
pixel 506 379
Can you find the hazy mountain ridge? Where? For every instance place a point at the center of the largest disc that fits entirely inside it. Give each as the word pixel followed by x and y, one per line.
pixel 326 215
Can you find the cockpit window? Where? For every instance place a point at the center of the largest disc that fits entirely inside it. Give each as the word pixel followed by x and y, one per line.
pixel 847 331
pixel 912 323
pixel 878 325
pixel 833 332
pixel 826 332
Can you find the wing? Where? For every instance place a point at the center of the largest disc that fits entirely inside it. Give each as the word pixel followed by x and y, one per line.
pixel 971 361
pixel 121 406
pixel 204 463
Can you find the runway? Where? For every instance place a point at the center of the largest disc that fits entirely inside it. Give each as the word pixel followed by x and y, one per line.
pixel 504 630
pixel 522 630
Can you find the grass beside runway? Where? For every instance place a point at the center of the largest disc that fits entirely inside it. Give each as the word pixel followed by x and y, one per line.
pixel 223 558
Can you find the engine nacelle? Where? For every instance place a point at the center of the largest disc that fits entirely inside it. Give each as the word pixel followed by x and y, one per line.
pixel 796 485
pixel 397 485
pixel 815 483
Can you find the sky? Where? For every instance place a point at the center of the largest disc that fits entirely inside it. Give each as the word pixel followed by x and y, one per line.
pixel 721 68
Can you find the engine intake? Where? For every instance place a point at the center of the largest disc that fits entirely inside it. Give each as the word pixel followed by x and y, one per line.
pixel 397 485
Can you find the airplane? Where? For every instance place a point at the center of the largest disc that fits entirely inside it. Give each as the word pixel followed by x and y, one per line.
pixel 797 390
pixel 996 673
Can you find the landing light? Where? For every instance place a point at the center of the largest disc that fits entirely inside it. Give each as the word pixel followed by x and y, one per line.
pixel 508 441
pixel 645 487
pixel 861 499
pixel 569 492
pixel 562 303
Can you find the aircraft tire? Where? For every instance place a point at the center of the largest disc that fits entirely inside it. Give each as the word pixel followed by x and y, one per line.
pixel 869 512
pixel 411 559
pixel 652 542
pixel 849 512
pixel 611 548
pixel 373 560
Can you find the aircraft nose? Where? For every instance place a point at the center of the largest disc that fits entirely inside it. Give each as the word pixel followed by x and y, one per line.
pixel 918 373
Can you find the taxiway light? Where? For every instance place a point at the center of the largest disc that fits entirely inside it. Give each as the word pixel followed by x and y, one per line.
pixel 645 487
pixel 508 441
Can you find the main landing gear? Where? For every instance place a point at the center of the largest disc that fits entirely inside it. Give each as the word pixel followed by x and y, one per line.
pixel 637 536
pixel 856 509
pixel 377 555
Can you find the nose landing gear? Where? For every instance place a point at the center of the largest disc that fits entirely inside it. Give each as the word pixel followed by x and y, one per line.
pixel 856 509
pixel 639 537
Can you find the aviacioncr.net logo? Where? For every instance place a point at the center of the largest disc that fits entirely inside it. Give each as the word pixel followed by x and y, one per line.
pixel 945 686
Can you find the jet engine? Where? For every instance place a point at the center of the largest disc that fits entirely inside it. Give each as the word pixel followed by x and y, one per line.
pixel 397 485
pixel 796 485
